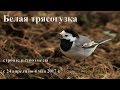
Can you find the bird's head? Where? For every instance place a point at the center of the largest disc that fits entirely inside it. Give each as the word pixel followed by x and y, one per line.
pixel 69 34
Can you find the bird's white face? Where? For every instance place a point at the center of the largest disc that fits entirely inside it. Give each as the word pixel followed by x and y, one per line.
pixel 67 36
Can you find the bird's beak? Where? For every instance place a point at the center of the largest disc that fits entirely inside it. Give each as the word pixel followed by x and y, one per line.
pixel 60 35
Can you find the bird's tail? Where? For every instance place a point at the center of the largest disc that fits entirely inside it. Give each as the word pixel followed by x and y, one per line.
pixel 103 40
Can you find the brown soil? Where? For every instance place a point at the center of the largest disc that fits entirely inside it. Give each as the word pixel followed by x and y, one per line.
pixel 41 41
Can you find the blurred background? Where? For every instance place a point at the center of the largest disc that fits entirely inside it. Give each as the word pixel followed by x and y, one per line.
pixel 38 41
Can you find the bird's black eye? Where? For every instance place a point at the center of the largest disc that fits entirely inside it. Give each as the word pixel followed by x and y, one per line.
pixel 66 35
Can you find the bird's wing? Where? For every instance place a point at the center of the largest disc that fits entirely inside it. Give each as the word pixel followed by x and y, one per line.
pixel 82 41
pixel 91 44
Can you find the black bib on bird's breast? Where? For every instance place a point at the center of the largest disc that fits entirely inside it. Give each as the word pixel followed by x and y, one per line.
pixel 65 44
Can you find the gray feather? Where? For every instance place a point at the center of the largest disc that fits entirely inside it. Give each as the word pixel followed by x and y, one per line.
pixel 82 40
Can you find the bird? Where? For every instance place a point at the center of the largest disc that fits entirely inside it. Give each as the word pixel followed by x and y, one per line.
pixel 76 46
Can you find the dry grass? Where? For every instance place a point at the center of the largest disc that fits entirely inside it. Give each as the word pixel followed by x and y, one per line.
pixel 38 41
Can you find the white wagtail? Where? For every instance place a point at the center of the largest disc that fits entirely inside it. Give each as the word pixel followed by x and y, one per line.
pixel 77 46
